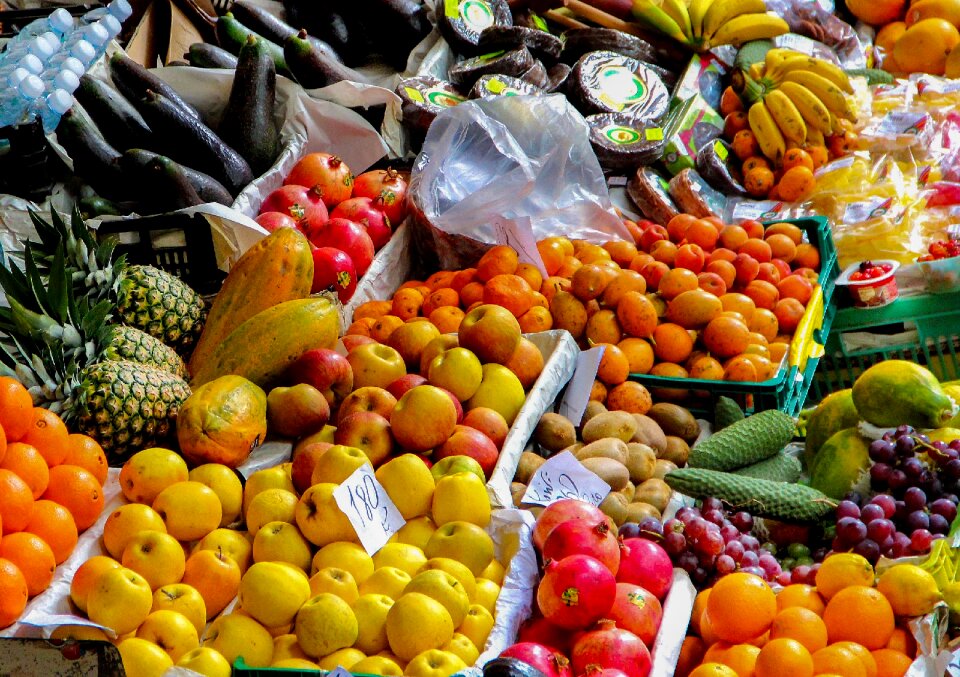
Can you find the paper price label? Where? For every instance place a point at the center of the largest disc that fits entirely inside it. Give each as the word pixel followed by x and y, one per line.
pixel 563 476
pixel 339 671
pixel 370 510
pixel 518 233
pixel 575 400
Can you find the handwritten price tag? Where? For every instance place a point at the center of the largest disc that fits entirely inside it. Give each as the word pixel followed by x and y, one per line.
pixel 518 233
pixel 370 510
pixel 563 476
pixel 575 400
pixel 339 671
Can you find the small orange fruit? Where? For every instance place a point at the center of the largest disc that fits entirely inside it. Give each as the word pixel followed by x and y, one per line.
pixel 745 144
pixel 32 556
pixel 726 337
pixel 784 658
pixel 741 606
pixel 86 452
pixel 839 660
pixel 614 367
pixel 800 595
pixel 48 434
pixel 15 410
pixel 758 181
pixel 890 663
pixel 54 524
pixel 712 670
pixel 861 652
pixel 498 260
pixel 875 617
pixel 13 593
pixel 797 183
pixel 78 491
pixel 28 464
pixel 802 625
pixel 672 342
pixel 797 157
pixel 16 501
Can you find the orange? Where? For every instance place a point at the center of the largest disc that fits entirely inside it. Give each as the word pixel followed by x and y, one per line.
pixel 789 312
pixel 784 658
pixel 637 315
pixel 924 46
pixel 509 291
pixel 888 35
pixel 758 181
pixel 624 281
pixel 819 155
pixel 699 607
pixel 839 660
pixel 48 434
pixel 639 354
pixel 745 144
pixel 890 663
pixel 383 328
pixel 741 607
pixel 568 267
pixel 15 407
pixel 28 464
pixel 531 274
pixel 742 658
pixel 876 12
pixel 54 524
pixel 802 625
pixel 447 319
pixel 440 298
pixel 799 595
pixel 901 640
pixel 798 183
pixel 677 281
pixel 631 397
pixel 410 284
pixel 590 280
pixel 874 616
pixel 33 557
pixel 712 670
pixel 360 327
pixel 86 577
pixel 498 260
pixel 797 157
pixel 536 319
pixel 16 501
pixel 861 652
pixel 13 593
pixel 782 247
pixel 726 336
pixel 730 102
pixel 716 652
pixel 693 309
pixel 707 631
pixel 78 491
pixel 602 327
pixel 672 343
pixel 84 451
pixel 372 309
pixel 764 322
pixel 754 162
pixel 691 655
pixel 621 251
pixel 463 278
pixel 471 293
pixel 614 367
pixel 406 303
pixel 3 444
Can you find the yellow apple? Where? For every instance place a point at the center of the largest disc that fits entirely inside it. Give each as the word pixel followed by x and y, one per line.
pixel 501 391
pixel 190 510
pixel 378 665
pixel 281 542
pixel 236 635
pixel 435 348
pixel 345 658
pixel 86 577
pixel 272 593
pixel 424 418
pixel 155 555
pixel 171 631
pixel 268 478
pixel 367 431
pixel 235 544
pixel 461 497
pixel 477 626
pixel 215 576
pixel 206 661
pixel 462 541
pixel 336 581
pixel 491 332
pixel 410 339
pixel 455 569
pixel 435 663
pixel 375 364
pixel 285 646
pixel 389 581
pixel 416 531
pixel 371 613
pixel 143 658
pixel 225 484
pixel 462 647
pixel 417 623
pixel 344 555
pixel 184 599
pixel 79 633
pixel 494 572
pixel 120 599
pixel 444 588
pixel 377 400
pixel 319 518
pixel 325 623
pixel 126 522
pixel 150 471
pixel 487 594
pixel 271 505
pixel 457 370
pixel 338 463
pixel 405 557
pixel 408 483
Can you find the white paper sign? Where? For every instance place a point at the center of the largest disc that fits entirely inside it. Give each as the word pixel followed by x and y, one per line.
pixel 339 671
pixel 578 392
pixel 563 476
pixel 518 233
pixel 370 510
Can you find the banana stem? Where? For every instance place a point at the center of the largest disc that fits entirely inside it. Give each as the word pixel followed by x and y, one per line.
pixel 600 17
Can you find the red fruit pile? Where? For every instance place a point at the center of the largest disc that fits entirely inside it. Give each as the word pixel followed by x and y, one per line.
pixel 941 249
pixel 869 271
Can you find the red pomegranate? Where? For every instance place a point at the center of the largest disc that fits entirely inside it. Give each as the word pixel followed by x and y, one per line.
pixel 597 671
pixel 583 537
pixel 576 591
pixel 608 646
pixel 646 564
pixel 324 173
pixel 361 210
pixel 542 631
pixel 301 204
pixel 271 221
pixel 346 235
pixel 334 268
pixel 543 658
pixel 563 511
pixel 637 610
pixel 387 189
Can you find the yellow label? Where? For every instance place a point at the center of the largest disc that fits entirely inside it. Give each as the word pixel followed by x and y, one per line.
pixel 496 86
pixel 654 134
pixel 721 150
pixel 414 94
pixel 451 8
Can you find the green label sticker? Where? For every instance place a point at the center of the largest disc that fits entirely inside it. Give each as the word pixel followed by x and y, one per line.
pixel 496 86
pixel 476 14
pixel 620 87
pixel 451 8
pixel 414 94
pixel 721 150
pixel 491 55
pixel 439 97
pixel 539 22
pixel 621 135
pixel 654 134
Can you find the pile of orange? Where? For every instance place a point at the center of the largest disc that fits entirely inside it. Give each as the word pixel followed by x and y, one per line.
pixel 740 627
pixel 793 179
pixel 51 488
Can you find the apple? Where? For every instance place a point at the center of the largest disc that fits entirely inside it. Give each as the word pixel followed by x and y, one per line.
pixel 334 269
pixel 375 364
pixel 367 431
pixel 280 541
pixel 326 370
pixel 404 383
pixel 232 544
pixel 424 418
pixel 456 404
pixel 368 398
pixel 225 482
pixel 120 599
pixel 347 236
pixel 457 370
pixel 361 210
pixel 436 347
pixel 304 461
pixel 156 556
pixel 501 391
pixel 411 339
pixel 171 631
pixel 301 204
pixel 140 657
pixel 491 332
pixel 205 661
pixel 451 465
pixel 491 423
pixel 235 635
pixel 352 341
pixel 184 599
pixel 470 442
pixel 296 411
pixel 272 221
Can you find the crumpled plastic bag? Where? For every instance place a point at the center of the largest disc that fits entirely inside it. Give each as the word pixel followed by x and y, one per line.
pixel 508 158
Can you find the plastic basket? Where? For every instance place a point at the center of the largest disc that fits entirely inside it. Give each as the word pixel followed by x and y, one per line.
pixel 788 390
pixel 921 329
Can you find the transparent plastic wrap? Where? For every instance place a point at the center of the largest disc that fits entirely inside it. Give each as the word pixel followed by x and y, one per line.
pixel 485 161
pixel 817 21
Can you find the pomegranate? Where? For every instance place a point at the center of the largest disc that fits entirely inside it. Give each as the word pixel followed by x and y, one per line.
pixel 646 564
pixel 334 268
pixel 361 210
pixel 324 173
pixel 608 646
pixel 563 511
pixel 346 235
pixel 543 658
pixel 271 221
pixel 301 204
pixel 576 591
pixel 542 631
pixel 583 537
pixel 593 670
pixel 637 610
pixel 387 189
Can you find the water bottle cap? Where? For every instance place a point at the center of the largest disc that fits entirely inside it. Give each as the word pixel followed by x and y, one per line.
pixel 60 101
pixel 74 65
pixel 120 9
pixel 32 64
pixel 67 80
pixel 31 87
pixel 61 20
pixel 112 26
pixel 41 48
pixel 17 76
pixel 52 39
pixel 84 52
pixel 96 35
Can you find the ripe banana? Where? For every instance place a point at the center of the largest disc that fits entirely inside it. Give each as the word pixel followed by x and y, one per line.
pixel 766 131
pixel 651 14
pixel 821 67
pixel 722 11
pixel 677 10
pixel 749 27
pixel 815 137
pixel 814 112
pixel 697 10
pixel 787 117
pixel 831 96
pixel 777 56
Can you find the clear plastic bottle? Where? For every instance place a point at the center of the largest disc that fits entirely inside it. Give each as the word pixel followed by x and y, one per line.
pixel 50 109
pixel 14 102
pixel 119 9
pixel 64 79
pixel 82 51
pixel 29 63
pixel 17 76
pixel 70 63
pixel 59 22
pixel 38 46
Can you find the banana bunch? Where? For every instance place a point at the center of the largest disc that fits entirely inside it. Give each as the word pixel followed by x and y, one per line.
pixel 704 24
pixel 798 100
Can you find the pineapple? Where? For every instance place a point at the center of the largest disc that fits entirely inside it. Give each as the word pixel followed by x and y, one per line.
pixel 145 297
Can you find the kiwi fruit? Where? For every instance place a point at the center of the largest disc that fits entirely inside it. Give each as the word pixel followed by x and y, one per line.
pixel 675 420
pixel 529 462
pixel 677 451
pixel 517 490
pixel 629 490
pixel 608 447
pixel 610 471
pixel 637 510
pixel 614 506
pixel 654 491
pixel 640 462
pixel 649 433
pixel 554 432
pixel 619 424
pixel 593 408
pixel 662 467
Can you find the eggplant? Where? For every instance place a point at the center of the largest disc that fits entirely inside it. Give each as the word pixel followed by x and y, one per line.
pixel 510 667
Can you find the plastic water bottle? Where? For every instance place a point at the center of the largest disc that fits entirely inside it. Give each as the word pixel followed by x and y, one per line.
pixel 50 109
pixel 112 24
pixel 119 9
pixel 64 79
pixel 70 63
pixel 14 102
pixel 39 46
pixel 59 22
pixel 29 63
pixel 82 51
pixel 17 76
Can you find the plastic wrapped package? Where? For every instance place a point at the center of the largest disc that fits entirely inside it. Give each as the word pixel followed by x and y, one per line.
pixel 899 129
pixel 817 21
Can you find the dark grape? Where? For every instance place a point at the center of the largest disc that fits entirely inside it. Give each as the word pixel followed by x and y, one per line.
pixel 755 570
pixel 725 565
pixel 897 480
pixel 915 499
pixel 785 578
pixel 699 575
pixel 850 530
pixel 749 559
pixel 880 474
pixel 651 525
pixel 735 550
pixel 917 520
pixel 854 498
pixel 904 430
pixel 705 560
pixel 944 507
pixel 687 561
pixel 905 446
pixel 872 512
pixel 711 503
pixel 674 525
pixel 729 533
pixel 750 542
pixel 848 509
pixel 886 502
pixel 714 516
pixel 912 468
pixel 712 543
pixel 952 470
pixel 880 529
pixel 629 530
pixel 820 554
pixel 674 543
pixel 920 540
pixel 882 451
pixel 939 524
pixel 868 549
pixel 800 574
pixel 686 514
pixel 742 521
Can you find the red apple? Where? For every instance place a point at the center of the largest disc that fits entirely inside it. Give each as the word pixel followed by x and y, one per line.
pixel 271 221
pixel 367 431
pixel 347 236
pixel 456 404
pixel 405 383
pixel 352 341
pixel 361 210
pixel 470 442
pixel 490 422
pixel 326 370
pixel 301 470
pixel 301 204
pixel 334 268
pixel 369 398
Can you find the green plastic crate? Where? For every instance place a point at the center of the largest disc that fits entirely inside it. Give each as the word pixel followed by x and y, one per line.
pixel 936 343
pixel 241 669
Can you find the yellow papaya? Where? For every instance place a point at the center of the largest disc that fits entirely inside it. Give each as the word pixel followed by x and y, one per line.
pixel 222 421
pixel 842 465
pixel 834 413
pixel 897 392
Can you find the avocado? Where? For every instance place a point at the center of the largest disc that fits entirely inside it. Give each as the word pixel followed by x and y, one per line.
pixel 248 124
pixel 122 126
pixel 204 55
pixel 313 69
pixel 232 36
pixel 133 81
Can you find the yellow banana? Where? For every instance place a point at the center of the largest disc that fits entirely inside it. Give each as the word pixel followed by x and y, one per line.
pixel 722 11
pixel 765 129
pixel 787 117
pixel 821 67
pixel 815 137
pixel 814 113
pixel 777 56
pixel 831 96
pixel 749 27
pixel 677 10
pixel 656 18
pixel 756 71
pixel 697 10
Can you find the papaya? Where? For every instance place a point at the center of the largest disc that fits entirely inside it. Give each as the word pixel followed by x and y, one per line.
pixel 842 464
pixel 946 434
pixel 222 421
pixel 953 391
pixel 897 392
pixel 834 413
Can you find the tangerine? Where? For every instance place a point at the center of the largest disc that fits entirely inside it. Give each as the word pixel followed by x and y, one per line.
pixel 447 319
pixel 534 320
pixel 48 434
pixel 498 260
pixel 802 625
pixel 890 663
pixel 441 298
pixel 800 595
pixel 784 658
pixel 16 501
pixel 735 122
pixel 16 405
pixel 741 607
pixel 13 593
pixel 758 181
pixel 78 491
pixel 745 144
pixel 509 291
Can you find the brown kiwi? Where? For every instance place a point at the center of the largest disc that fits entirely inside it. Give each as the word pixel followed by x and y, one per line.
pixel 675 420
pixel 617 424
pixel 554 432
pixel 637 510
pixel 677 451
pixel 650 433
pixel 655 492
pixel 614 506
pixel 529 462
pixel 662 467
pixel 610 471
pixel 640 462
pixel 608 447
pixel 629 490
pixel 593 408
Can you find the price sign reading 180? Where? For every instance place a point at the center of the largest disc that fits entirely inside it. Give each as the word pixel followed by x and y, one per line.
pixel 369 508
pixel 563 476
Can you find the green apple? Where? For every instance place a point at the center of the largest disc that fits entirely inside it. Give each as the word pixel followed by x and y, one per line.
pixel 501 391
pixel 454 464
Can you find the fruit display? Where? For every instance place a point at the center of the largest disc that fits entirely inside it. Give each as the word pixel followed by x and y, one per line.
pixel 707 24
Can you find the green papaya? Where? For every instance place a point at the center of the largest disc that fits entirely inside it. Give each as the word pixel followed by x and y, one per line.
pixel 897 392
pixel 842 465
pixel 834 413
